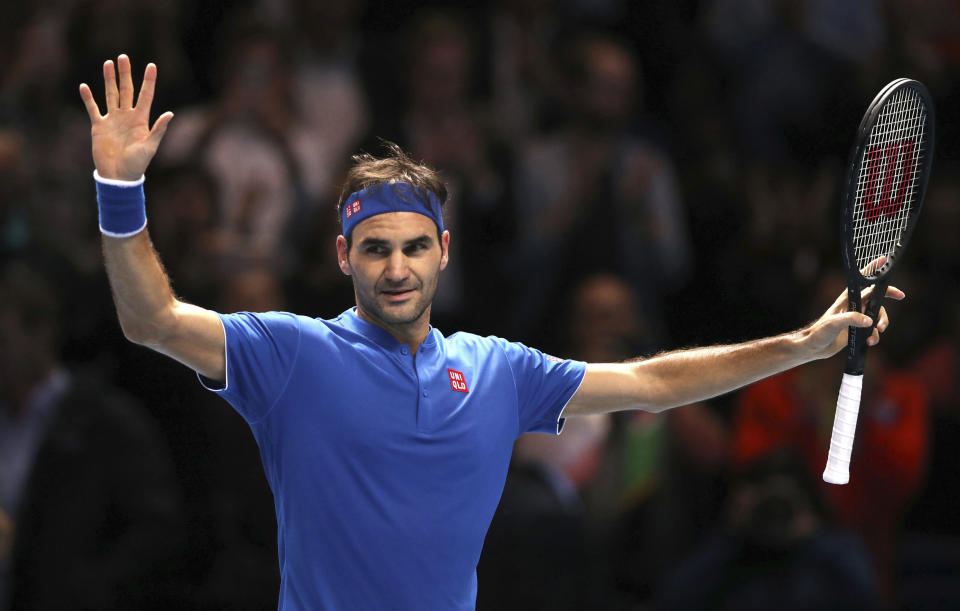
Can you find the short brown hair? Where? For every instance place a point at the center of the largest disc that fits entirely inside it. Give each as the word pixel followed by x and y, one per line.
pixel 397 166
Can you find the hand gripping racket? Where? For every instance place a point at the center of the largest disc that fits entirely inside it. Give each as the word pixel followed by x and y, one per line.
pixel 886 182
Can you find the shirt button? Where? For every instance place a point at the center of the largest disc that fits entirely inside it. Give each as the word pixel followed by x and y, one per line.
pixel 404 350
pixel 425 393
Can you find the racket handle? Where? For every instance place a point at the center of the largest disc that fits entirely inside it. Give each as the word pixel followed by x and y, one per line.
pixel 844 429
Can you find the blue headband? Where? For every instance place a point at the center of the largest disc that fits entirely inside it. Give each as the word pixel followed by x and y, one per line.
pixel 389 197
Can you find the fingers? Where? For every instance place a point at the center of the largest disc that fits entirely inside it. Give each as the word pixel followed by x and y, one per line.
pixel 145 98
pixel 110 86
pixel 126 82
pixel 160 128
pixel 92 109
pixel 895 293
pixel 872 267
pixel 892 293
pixel 851 319
pixel 840 304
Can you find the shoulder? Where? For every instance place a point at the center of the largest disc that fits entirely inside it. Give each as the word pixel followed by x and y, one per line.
pixel 481 344
pixel 263 319
pixel 515 353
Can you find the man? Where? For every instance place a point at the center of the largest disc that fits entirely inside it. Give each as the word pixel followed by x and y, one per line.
pixel 385 443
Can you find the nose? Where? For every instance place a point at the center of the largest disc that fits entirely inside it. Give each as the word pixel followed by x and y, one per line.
pixel 396 267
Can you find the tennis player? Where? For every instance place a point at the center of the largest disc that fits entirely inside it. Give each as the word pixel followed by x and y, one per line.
pixel 385 442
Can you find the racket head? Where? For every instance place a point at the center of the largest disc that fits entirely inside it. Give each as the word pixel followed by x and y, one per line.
pixel 886 182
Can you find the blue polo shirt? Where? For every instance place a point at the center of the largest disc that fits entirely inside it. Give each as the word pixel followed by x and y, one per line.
pixel 386 467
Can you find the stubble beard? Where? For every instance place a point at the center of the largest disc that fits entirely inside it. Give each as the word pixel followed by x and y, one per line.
pixel 383 314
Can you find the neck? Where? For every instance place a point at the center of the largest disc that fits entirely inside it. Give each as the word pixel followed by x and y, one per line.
pixel 412 333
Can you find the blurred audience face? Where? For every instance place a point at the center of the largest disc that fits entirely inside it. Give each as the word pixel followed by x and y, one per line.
pixel 258 81
pixel 607 88
pixel 254 289
pixel 439 77
pixel 605 324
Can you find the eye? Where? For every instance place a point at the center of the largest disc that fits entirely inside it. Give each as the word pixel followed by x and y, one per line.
pixel 376 250
pixel 416 248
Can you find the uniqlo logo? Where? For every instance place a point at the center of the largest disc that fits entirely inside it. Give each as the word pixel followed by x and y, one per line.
pixel 353 208
pixel 457 381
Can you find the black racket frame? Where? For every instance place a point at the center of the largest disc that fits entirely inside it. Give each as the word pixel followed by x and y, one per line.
pixel 857 338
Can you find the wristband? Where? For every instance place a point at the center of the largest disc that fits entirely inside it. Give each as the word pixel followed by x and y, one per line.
pixel 123 209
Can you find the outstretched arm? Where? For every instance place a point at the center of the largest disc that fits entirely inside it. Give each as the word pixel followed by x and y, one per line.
pixel 687 376
pixel 149 313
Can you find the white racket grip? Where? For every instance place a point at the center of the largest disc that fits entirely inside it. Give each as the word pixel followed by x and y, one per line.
pixel 844 429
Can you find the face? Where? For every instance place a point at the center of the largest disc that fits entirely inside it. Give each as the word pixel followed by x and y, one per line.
pixel 395 261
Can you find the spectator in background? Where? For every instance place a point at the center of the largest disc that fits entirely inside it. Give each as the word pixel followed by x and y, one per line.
pixel 594 196
pixel 931 346
pixel 89 511
pixel 929 559
pixel 631 492
pixel 774 550
pixel 794 410
pixel 327 87
pixel 787 61
pixel 184 223
pixel 523 75
pixel 55 41
pixel 231 561
pixel 254 142
pixel 651 484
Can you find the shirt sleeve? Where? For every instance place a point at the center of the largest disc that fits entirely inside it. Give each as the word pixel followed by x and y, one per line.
pixel 261 352
pixel 544 384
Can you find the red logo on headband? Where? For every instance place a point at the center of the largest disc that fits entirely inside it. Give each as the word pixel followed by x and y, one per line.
pixel 353 208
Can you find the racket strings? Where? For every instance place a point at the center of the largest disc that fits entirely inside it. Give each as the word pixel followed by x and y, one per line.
pixel 888 179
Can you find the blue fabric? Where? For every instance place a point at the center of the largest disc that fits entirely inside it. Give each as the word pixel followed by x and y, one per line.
pixel 385 477
pixel 122 208
pixel 389 197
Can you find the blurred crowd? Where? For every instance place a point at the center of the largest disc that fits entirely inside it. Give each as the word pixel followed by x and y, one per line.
pixel 626 178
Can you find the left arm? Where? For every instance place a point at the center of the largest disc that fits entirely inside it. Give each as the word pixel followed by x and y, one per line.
pixel 687 376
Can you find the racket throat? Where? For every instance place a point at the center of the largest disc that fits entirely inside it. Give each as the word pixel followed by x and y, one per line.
pixel 858 336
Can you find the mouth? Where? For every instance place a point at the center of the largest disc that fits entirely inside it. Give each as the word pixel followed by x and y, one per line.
pixel 397 295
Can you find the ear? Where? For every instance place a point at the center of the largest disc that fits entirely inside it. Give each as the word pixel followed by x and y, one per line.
pixel 342 259
pixel 444 249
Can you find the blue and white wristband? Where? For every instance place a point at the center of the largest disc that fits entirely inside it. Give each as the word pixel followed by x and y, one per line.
pixel 122 206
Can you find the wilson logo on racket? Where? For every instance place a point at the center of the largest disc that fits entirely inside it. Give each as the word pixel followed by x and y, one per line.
pixel 457 381
pixel 887 159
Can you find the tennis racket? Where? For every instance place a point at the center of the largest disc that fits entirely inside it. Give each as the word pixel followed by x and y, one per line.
pixel 886 183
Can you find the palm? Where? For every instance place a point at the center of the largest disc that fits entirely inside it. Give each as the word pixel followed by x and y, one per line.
pixel 123 143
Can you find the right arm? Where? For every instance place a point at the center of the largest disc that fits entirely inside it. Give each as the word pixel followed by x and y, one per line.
pixel 149 313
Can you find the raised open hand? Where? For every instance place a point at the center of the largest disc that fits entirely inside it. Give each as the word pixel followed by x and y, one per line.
pixel 123 142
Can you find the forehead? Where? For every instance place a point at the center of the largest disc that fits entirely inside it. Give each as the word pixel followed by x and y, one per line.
pixel 394 227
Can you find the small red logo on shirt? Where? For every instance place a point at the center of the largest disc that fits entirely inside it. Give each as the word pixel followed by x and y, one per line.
pixel 353 208
pixel 457 381
pixel 550 357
